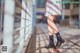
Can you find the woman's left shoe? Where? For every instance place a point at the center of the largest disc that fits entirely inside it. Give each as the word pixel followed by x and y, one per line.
pixel 59 43
pixel 50 46
pixel 60 40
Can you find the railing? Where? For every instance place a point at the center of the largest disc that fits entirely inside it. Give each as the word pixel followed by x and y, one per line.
pixel 14 39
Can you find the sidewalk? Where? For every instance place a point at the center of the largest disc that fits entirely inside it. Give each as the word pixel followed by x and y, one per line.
pixel 38 41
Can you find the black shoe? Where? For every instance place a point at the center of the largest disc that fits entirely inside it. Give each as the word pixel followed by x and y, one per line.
pixel 51 42
pixel 59 43
pixel 60 40
pixel 50 46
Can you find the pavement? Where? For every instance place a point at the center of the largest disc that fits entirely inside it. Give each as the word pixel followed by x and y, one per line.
pixel 40 39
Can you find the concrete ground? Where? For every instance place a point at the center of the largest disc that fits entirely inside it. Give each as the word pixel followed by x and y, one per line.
pixel 40 39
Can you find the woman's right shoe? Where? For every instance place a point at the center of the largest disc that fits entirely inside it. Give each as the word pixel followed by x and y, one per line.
pixel 51 42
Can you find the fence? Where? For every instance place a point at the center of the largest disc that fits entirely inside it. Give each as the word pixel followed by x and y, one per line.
pixel 14 39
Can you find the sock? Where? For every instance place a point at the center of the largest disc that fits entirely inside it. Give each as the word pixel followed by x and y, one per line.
pixel 59 38
pixel 51 40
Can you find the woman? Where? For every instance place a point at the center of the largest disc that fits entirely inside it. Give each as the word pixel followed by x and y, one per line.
pixel 53 9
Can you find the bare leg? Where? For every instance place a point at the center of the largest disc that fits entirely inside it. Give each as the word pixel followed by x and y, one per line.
pixel 50 32
pixel 52 27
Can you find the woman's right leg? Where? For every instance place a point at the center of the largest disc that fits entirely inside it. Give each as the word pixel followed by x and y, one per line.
pixel 50 32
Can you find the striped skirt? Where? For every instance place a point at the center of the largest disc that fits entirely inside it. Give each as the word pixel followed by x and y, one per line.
pixel 53 8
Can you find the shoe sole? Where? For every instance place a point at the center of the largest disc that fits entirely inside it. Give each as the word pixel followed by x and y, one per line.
pixel 59 44
pixel 50 47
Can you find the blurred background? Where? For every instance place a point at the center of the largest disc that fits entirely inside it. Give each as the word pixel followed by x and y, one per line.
pixel 68 23
pixel 71 14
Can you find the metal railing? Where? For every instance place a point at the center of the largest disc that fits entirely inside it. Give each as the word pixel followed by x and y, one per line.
pixel 14 39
